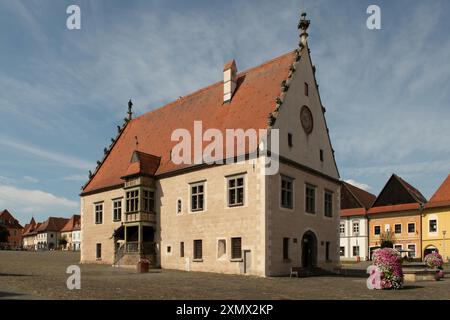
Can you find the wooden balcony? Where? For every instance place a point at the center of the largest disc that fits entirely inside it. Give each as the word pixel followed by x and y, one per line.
pixel 140 217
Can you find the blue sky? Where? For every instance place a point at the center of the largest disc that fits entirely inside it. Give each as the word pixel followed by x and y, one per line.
pixel 63 92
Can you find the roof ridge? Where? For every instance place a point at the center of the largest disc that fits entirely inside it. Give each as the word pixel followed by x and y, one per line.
pixel 239 74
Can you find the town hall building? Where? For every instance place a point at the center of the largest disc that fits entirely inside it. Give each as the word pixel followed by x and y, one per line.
pixel 222 217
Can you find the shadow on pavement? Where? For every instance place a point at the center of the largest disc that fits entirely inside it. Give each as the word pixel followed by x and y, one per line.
pixel 13 275
pixel 9 294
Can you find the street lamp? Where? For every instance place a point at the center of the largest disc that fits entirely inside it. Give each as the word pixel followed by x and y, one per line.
pixel 444 232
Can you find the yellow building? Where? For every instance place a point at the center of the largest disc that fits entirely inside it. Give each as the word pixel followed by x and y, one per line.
pixel 436 222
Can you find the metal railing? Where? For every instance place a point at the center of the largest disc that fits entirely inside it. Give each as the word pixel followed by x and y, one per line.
pixel 146 248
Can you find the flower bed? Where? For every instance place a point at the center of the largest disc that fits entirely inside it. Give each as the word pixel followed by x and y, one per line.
pixel 389 264
pixel 434 260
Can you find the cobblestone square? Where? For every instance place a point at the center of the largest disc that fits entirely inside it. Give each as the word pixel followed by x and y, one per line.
pixel 42 275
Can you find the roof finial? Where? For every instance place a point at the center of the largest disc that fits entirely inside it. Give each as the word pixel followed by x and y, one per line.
pixel 130 112
pixel 303 27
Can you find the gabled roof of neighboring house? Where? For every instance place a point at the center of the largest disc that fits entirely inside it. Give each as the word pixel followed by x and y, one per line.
pixel 397 192
pixel 7 219
pixel 441 198
pixel 31 228
pixel 72 224
pixel 394 208
pixel 52 224
pixel 354 197
pixel 253 101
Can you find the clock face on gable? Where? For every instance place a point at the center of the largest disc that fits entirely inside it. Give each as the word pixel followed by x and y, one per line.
pixel 307 119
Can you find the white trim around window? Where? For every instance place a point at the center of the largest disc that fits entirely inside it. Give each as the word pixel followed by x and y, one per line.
pixel 415 248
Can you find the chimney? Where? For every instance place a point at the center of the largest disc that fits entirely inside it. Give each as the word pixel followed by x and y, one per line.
pixel 229 80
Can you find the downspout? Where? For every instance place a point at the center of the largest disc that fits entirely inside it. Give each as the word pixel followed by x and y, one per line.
pixel 422 206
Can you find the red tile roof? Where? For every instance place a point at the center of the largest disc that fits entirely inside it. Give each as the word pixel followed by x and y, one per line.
pixel 7 219
pixel 413 191
pixel 394 208
pixel 52 224
pixel 142 163
pixel 364 198
pixel 253 101
pixel 73 224
pixel 353 212
pixel 441 198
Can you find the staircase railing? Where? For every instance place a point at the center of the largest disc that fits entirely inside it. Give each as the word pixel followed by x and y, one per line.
pixel 119 255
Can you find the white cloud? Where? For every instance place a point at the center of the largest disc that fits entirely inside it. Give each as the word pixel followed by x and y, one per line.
pixel 30 179
pixel 359 184
pixel 25 202
pixel 75 177
pixel 65 160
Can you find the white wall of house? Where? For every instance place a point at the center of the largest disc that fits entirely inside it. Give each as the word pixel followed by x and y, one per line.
pixel 351 238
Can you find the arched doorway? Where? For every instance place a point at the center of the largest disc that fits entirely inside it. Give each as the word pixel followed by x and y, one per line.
pixel 309 250
pixel 429 249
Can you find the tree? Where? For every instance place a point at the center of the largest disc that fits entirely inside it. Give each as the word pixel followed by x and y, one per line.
pixel 4 234
pixel 62 242
pixel 387 239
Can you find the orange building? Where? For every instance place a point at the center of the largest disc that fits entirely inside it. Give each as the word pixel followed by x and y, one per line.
pixel 397 210
pixel 14 228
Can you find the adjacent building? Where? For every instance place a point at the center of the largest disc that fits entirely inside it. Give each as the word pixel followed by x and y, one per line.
pixel 397 211
pixel 29 235
pixel 436 222
pixel 49 232
pixel 354 226
pixel 71 233
pixel 232 217
pixel 14 229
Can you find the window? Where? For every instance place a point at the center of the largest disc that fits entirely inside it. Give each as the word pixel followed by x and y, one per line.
pixel 198 250
pixel 398 228
pixel 179 206
pixel 286 192
pixel 98 251
pixel 236 248
pixel 411 227
pixel 290 140
pixel 377 230
pixel 132 201
pixel 356 228
pixel 149 201
pixel 433 225
pixel 342 251
pixel 197 196
pixel 356 251
pixel 285 248
pixel 99 213
pixel 321 155
pixel 342 228
pixel 181 249
pixel 221 248
pixel 327 251
pixel 236 191
pixel 306 88
pixel 328 205
pixel 169 249
pixel 398 247
pixel 412 250
pixel 117 210
pixel 310 199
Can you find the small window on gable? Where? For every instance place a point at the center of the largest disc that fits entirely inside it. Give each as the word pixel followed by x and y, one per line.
pixel 306 89
pixel 321 155
pixel 290 144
